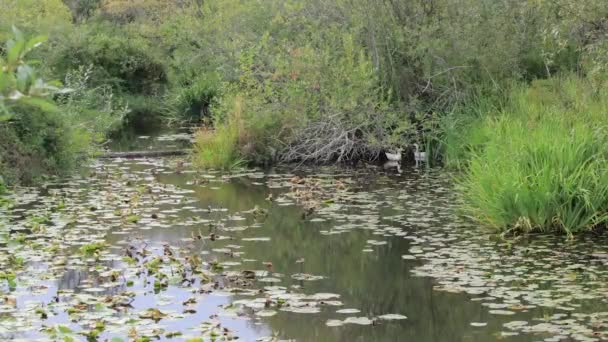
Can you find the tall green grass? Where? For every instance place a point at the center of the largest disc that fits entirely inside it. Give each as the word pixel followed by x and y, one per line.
pixel 540 164
pixel 218 148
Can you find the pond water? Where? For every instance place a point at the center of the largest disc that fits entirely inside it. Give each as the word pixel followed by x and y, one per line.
pixel 148 248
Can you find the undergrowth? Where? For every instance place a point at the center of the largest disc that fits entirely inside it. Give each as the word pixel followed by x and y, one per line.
pixel 540 163
pixel 217 148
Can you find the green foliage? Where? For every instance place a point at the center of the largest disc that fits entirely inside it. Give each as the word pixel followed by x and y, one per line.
pixel 299 85
pixel 19 81
pixel 126 11
pixel 92 248
pixel 46 128
pixel 380 73
pixel 82 9
pixel 33 16
pixel 144 112
pixel 93 109
pixel 122 67
pixel 121 59
pixel 3 189
pixel 462 130
pixel 191 100
pixel 33 138
pixel 540 164
pixel 218 148
pixel 35 143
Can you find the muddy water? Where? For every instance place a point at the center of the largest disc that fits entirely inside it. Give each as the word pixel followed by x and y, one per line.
pixel 308 255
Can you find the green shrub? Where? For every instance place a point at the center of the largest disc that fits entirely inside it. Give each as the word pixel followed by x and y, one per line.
pixel 310 98
pixel 44 127
pixel 121 64
pixel 36 143
pixel 541 162
pixel 33 137
pixel 82 9
pixel 121 58
pixel 374 76
pixel 95 110
pixel 191 100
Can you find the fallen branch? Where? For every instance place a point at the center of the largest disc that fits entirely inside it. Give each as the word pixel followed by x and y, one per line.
pixel 144 154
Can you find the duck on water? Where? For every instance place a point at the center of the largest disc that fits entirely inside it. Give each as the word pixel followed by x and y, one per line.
pixel 419 156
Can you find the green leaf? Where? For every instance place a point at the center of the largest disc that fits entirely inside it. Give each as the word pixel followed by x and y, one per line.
pixel 116 339
pixel 14 53
pixel 34 43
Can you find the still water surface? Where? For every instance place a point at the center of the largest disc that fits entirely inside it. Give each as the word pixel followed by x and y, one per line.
pixel 375 240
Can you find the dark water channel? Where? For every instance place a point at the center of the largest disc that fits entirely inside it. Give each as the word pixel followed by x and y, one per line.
pixel 332 255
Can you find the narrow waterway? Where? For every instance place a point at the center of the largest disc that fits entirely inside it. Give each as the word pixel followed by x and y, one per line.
pixel 149 248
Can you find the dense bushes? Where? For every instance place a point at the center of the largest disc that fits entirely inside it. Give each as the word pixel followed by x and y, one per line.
pixel 307 102
pixel 45 127
pixel 113 74
pixel 540 164
pixel 36 143
pixel 324 81
pixel 126 62
pixel 191 99
pixel 307 95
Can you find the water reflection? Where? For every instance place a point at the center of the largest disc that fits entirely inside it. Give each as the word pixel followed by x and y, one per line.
pixel 374 282
pixel 355 243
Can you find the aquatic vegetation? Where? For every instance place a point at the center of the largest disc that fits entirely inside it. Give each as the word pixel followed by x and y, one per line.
pixel 201 259
pixel 115 275
pixel 92 248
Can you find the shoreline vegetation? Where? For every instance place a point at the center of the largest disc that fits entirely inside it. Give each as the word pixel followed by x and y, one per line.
pixel 510 95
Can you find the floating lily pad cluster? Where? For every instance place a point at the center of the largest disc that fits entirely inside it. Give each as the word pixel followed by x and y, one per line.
pixel 561 284
pixel 77 263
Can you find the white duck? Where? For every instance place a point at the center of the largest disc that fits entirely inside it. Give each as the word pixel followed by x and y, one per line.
pixel 418 155
pixel 394 157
